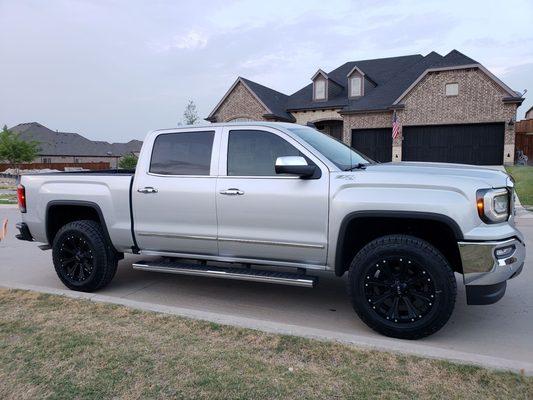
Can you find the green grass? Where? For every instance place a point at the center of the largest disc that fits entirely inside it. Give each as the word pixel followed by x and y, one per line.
pixel 58 348
pixel 8 199
pixel 523 176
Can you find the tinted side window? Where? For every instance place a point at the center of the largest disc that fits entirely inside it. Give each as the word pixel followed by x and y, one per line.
pixel 254 153
pixel 184 153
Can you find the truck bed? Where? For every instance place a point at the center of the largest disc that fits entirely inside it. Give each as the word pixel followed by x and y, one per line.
pixel 106 191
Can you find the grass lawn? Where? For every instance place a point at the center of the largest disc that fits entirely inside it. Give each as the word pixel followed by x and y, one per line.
pixel 523 175
pixel 8 199
pixel 60 348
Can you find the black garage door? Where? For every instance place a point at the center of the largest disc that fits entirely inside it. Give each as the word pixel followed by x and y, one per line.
pixel 480 144
pixel 374 143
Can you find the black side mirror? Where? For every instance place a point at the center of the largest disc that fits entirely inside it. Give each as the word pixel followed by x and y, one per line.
pixel 295 165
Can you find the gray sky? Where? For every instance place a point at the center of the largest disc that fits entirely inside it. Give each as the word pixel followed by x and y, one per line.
pixel 113 70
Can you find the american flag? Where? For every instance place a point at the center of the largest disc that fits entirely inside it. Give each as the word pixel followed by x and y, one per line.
pixel 396 126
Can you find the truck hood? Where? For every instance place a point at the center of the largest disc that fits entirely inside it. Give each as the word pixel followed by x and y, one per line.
pixel 438 173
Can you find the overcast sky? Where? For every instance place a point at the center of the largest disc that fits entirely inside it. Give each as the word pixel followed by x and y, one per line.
pixel 113 70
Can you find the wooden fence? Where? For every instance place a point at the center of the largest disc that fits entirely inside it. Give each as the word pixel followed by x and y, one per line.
pixel 94 166
pixel 525 143
pixel 524 126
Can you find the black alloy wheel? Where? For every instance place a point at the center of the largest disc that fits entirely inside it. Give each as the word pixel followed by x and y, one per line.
pixel 399 289
pixel 83 258
pixel 402 286
pixel 76 259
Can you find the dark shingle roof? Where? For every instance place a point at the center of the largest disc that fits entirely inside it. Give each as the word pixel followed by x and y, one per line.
pixel 52 143
pixel 454 59
pixel 379 71
pixel 386 93
pixel 274 100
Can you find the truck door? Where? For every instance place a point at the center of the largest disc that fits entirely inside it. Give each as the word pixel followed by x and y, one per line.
pixel 262 215
pixel 173 193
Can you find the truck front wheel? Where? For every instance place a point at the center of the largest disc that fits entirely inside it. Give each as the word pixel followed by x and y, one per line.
pixel 82 259
pixel 401 286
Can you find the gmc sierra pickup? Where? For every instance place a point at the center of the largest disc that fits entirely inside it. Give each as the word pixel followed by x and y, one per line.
pixel 275 202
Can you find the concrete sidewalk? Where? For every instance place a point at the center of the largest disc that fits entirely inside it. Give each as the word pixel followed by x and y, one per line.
pixel 496 336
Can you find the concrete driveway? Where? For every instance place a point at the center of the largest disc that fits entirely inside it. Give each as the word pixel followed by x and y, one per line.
pixel 499 335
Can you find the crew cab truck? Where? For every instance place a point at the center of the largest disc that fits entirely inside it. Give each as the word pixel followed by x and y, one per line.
pixel 276 202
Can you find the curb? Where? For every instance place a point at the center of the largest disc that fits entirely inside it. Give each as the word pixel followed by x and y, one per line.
pixel 396 346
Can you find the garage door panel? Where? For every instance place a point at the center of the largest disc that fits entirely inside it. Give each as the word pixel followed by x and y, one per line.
pixel 374 143
pixel 480 144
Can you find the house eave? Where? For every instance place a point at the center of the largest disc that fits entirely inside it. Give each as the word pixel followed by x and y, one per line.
pixel 376 110
pixel 513 100
pixel 279 118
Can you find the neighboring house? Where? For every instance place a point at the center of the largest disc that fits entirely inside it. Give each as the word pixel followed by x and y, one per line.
pixel 451 107
pixel 529 113
pixel 72 148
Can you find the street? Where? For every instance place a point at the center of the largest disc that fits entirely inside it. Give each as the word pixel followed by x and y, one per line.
pixel 499 335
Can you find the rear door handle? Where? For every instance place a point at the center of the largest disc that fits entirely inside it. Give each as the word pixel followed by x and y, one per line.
pixel 147 189
pixel 232 192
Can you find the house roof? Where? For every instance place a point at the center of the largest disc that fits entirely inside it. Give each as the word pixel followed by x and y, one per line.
pixel 52 143
pixel 379 71
pixel 386 82
pixel 274 102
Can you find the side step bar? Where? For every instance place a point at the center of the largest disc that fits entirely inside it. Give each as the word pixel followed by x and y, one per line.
pixel 245 274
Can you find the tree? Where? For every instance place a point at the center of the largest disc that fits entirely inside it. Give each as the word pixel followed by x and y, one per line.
pixel 190 115
pixel 15 150
pixel 128 161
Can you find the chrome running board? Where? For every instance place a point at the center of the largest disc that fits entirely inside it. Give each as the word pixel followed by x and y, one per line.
pixel 244 274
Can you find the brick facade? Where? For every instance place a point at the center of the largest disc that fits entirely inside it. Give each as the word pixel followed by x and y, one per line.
pixel 240 104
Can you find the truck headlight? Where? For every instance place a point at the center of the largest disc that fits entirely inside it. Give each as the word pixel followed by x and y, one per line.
pixel 493 205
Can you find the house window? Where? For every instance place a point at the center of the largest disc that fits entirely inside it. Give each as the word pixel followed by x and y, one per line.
pixel 47 160
pixel 356 86
pixel 320 89
pixel 452 89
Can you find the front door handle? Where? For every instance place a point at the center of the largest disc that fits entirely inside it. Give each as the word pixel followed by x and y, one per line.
pixel 232 192
pixel 147 189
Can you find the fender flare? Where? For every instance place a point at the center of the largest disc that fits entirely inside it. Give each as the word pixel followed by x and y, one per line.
pixel 77 203
pixel 339 267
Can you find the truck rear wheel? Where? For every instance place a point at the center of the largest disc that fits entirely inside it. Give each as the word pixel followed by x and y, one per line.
pixel 82 258
pixel 402 287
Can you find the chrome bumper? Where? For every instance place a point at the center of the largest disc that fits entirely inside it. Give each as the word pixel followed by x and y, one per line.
pixel 481 266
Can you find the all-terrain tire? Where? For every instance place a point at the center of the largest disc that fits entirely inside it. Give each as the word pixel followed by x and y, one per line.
pixel 83 259
pixel 376 271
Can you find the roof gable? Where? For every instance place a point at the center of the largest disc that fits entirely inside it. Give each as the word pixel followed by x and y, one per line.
pixel 274 102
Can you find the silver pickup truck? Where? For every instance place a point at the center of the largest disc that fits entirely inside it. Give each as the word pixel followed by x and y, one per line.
pixel 275 202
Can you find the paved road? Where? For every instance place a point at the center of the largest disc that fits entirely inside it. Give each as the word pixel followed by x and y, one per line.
pixel 499 335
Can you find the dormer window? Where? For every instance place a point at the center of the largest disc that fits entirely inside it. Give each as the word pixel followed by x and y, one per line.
pixel 320 86
pixel 356 83
pixel 320 89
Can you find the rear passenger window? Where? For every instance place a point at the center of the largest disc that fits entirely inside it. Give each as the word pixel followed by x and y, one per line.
pixel 254 153
pixel 183 153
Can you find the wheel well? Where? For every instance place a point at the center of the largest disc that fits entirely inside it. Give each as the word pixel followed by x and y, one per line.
pixel 58 215
pixel 359 231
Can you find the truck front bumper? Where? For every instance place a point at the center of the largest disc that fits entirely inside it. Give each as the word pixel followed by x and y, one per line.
pixel 488 265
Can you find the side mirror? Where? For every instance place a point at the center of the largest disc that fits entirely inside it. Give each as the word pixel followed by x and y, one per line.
pixel 295 165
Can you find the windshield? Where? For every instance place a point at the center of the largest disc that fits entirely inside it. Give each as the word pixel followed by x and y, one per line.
pixel 337 152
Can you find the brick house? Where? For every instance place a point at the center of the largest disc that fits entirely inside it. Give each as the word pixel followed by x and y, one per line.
pixel 451 107
pixel 72 148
